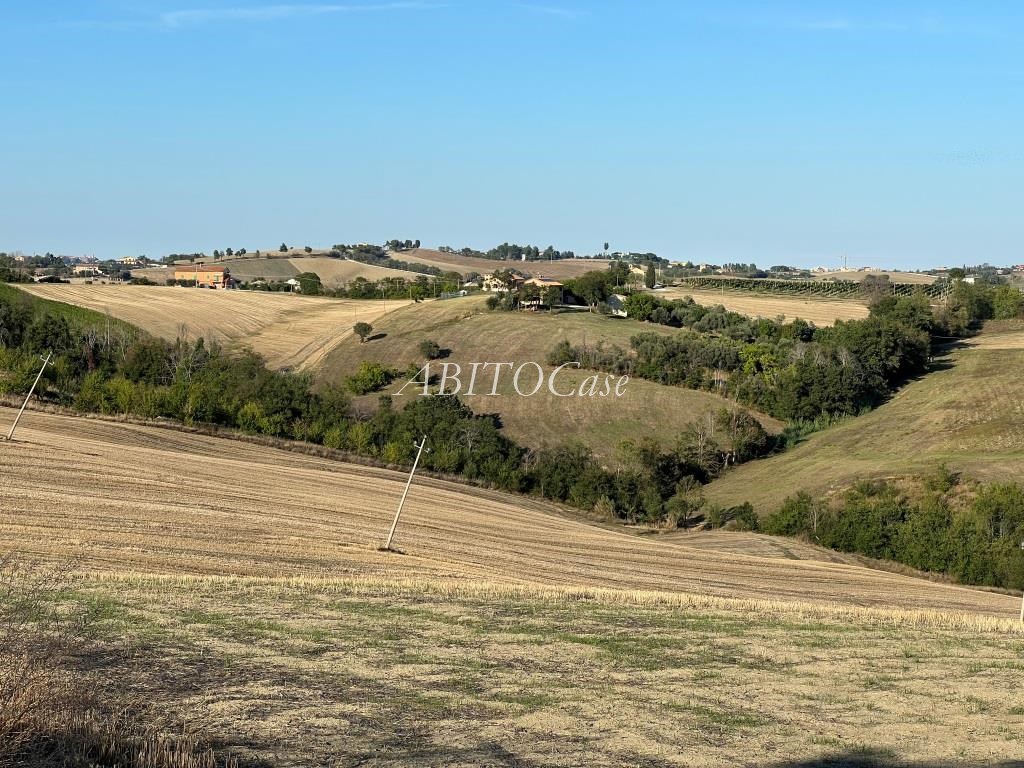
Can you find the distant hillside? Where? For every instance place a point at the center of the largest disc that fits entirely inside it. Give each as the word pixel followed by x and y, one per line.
pixel 289 330
pixel 475 335
pixel 968 414
pixel 558 269
pixel 818 310
pixel 895 277
pixel 333 272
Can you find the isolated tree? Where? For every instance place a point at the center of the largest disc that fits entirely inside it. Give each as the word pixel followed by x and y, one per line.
pixel 606 249
pixel 283 248
pixel 228 252
pixel 650 276
pixel 307 249
pixel 362 330
pixel 415 243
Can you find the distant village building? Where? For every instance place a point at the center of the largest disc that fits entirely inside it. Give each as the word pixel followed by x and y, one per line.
pixel 85 270
pixel 130 261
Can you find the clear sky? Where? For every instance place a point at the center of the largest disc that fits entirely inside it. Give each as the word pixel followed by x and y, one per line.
pixel 771 132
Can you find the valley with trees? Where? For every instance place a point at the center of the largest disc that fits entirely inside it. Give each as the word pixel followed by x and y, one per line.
pixel 511 385
pixel 847 445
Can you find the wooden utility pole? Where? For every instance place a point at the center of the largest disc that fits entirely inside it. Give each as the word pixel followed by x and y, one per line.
pixel 398 514
pixel 14 426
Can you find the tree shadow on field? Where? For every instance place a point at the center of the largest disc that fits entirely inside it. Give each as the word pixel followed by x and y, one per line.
pixel 377 336
pixel 880 758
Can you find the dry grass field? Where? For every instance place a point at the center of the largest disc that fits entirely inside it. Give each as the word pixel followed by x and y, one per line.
pixel 472 334
pixel 289 331
pixel 969 414
pixel 998 334
pixel 820 311
pixel 560 269
pixel 271 513
pixel 335 273
pixel 253 599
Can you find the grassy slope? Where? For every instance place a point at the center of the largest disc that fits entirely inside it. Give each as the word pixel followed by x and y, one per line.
pixel 475 335
pixel 73 313
pixel 968 415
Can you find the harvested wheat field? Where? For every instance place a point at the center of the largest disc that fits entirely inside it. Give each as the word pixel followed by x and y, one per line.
pixel 820 311
pixel 269 512
pixel 335 273
pixel 244 587
pixel 290 331
pixel 559 269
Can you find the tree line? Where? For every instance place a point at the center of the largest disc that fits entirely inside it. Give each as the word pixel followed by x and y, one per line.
pixel 977 541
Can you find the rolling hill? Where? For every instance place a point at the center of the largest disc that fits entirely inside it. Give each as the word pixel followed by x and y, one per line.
pixel 472 334
pixel 289 330
pixel 267 512
pixel 315 334
pixel 333 272
pixel 239 589
pixel 968 414
pixel 560 269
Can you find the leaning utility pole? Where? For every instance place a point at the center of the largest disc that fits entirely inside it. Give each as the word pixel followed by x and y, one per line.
pixel 14 426
pixel 398 514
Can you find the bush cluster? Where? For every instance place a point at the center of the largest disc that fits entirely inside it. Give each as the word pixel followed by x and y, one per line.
pixel 976 544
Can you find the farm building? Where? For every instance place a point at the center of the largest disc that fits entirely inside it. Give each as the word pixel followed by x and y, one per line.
pixel 543 282
pixel 502 284
pixel 205 276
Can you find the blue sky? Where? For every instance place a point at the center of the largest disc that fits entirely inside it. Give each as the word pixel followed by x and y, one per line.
pixel 722 131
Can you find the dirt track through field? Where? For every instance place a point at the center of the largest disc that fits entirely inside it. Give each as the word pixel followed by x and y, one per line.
pixel 821 312
pixel 289 331
pixel 122 497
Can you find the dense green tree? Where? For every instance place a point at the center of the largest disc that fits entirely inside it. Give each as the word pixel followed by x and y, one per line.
pixel 1007 302
pixel 362 330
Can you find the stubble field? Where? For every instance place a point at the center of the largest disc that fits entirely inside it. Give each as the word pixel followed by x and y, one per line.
pixel 290 331
pixel 820 311
pixel 244 587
